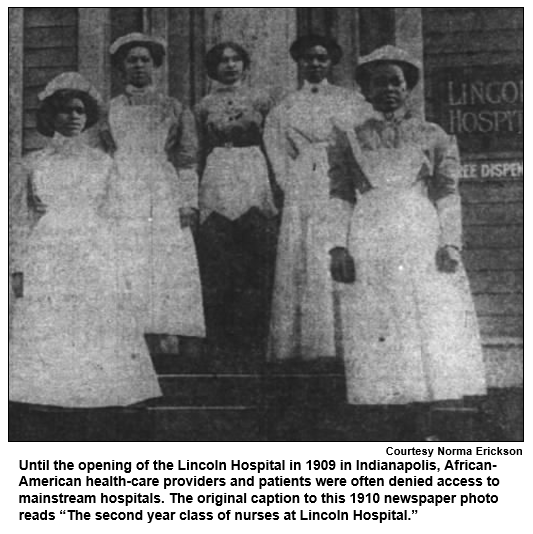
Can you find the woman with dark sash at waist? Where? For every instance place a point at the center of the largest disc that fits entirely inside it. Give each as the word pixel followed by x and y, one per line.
pixel 236 241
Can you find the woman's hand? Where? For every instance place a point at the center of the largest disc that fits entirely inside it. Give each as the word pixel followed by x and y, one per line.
pixel 189 218
pixel 17 284
pixel 448 259
pixel 38 205
pixel 297 141
pixel 342 265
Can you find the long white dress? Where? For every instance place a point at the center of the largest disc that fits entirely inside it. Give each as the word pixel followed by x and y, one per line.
pixel 410 331
pixel 296 136
pixel 158 256
pixel 71 345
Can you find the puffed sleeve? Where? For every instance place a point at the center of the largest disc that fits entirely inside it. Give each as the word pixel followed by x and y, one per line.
pixel 182 147
pixel 356 110
pixel 16 194
pixel 276 144
pixel 22 217
pixel 342 170
pixel 444 188
pixel 266 99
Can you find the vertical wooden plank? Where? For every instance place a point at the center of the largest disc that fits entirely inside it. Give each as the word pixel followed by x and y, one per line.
pixel 346 31
pixel 186 52
pixel 330 16
pixel 15 81
pixel 408 35
pixel 316 20
pixel 303 20
pixel 198 46
pixel 125 20
pixel 179 54
pixel 377 28
pixel 155 22
pixel 94 35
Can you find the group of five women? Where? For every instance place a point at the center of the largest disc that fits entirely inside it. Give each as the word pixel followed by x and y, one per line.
pixel 173 230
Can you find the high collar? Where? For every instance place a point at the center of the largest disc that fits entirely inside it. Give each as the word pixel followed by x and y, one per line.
pixel 218 87
pixel 394 117
pixel 67 145
pixel 131 90
pixel 315 88
pixel 142 96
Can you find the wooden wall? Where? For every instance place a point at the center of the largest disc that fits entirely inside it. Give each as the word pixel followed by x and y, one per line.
pixel 492 208
pixel 473 36
pixel 50 48
pixel 186 52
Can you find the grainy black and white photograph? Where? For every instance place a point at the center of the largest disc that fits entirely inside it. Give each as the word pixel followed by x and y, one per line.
pixel 266 224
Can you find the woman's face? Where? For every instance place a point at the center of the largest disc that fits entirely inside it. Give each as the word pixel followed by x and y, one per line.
pixel 387 88
pixel 71 118
pixel 139 67
pixel 315 64
pixel 230 68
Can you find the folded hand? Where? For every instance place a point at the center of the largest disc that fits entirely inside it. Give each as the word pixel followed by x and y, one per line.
pixel 38 205
pixel 189 218
pixel 342 266
pixel 17 285
pixel 448 259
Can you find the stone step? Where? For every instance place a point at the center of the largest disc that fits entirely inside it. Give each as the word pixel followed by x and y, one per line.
pixel 287 401
pixel 241 423
pixel 239 362
pixel 210 390
pixel 155 423
pixel 498 417
pixel 207 423
pixel 250 389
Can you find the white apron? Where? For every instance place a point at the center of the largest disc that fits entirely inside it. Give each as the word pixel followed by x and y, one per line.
pixel 162 281
pixel 71 344
pixel 410 331
pixel 235 179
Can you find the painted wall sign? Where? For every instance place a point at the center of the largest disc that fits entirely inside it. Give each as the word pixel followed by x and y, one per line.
pixel 482 106
pixel 511 169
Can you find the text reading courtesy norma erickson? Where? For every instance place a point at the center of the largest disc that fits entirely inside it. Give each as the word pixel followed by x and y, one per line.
pixel 401 486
